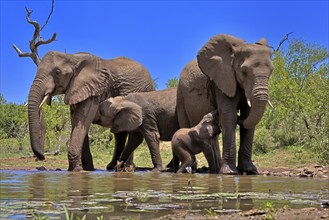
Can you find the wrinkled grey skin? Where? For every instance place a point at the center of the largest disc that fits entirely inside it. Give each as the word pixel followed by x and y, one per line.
pixel 86 80
pixel 226 73
pixel 149 115
pixel 187 142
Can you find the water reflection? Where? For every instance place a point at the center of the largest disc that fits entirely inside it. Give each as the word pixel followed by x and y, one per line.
pixel 148 194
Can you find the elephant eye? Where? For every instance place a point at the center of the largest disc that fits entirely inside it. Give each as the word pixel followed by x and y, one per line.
pixel 58 71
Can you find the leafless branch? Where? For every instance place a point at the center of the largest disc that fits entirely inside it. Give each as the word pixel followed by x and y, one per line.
pixel 20 53
pixel 36 40
pixel 281 42
pixel 51 12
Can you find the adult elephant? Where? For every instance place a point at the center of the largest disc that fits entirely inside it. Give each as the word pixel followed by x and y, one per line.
pixel 86 80
pixel 232 76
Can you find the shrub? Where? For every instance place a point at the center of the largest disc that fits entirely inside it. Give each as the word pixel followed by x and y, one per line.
pixel 263 141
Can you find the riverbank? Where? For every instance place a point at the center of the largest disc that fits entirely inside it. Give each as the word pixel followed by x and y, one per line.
pixel 60 163
pixel 309 171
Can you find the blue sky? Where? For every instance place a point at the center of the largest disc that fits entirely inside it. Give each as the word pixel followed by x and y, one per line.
pixel 162 35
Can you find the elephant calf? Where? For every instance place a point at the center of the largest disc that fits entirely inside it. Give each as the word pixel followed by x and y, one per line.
pixel 151 115
pixel 187 142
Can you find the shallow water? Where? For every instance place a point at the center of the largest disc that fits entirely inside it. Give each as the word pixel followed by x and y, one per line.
pixel 145 195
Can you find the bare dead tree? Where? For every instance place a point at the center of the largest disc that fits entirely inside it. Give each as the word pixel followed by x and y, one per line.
pixel 281 42
pixel 36 40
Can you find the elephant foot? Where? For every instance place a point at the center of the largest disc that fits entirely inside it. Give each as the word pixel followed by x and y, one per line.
pixel 88 167
pixel 247 167
pixel 228 169
pixel 123 167
pixel 111 166
pixel 75 168
pixel 172 166
pixel 158 169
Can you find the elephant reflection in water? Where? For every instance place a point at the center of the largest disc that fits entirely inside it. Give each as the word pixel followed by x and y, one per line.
pixel 236 185
pixel 73 187
pixel 217 186
pixel 37 186
pixel 78 185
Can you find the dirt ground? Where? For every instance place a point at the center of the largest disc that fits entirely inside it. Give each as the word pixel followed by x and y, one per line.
pixel 310 171
pixel 29 163
pixel 281 214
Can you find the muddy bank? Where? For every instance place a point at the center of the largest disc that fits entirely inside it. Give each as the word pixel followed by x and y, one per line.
pixel 29 163
pixel 279 214
pixel 306 171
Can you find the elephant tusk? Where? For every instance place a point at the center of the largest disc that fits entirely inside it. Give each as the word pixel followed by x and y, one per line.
pixel 44 100
pixel 269 103
pixel 26 103
pixel 249 103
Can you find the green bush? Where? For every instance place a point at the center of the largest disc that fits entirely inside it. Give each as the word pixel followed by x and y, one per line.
pixel 263 141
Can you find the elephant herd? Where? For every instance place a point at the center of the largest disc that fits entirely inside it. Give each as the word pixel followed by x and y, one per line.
pixel 224 87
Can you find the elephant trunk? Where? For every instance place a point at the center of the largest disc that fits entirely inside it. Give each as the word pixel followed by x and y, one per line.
pixel 37 126
pixel 258 103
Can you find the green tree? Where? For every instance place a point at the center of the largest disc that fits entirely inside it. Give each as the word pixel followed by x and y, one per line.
pixel 2 99
pixel 299 89
pixel 13 123
pixel 58 124
pixel 172 82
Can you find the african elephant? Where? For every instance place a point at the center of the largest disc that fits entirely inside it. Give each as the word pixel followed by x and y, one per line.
pixel 86 80
pixel 149 115
pixel 187 142
pixel 231 76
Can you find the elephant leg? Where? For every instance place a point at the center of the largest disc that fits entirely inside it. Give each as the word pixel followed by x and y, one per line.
pixel 194 165
pixel 120 142
pixel 173 164
pixel 210 156
pixel 229 151
pixel 81 118
pixel 134 140
pixel 86 156
pixel 227 109
pixel 245 163
pixel 188 161
pixel 217 155
pixel 152 140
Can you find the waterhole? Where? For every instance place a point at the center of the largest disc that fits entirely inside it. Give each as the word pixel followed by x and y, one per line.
pixel 146 195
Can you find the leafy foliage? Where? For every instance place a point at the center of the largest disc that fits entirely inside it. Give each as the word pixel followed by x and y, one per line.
pixel 13 124
pixel 299 89
pixel 172 82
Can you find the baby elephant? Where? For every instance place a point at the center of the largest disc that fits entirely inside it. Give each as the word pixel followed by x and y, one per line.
pixel 187 142
pixel 151 115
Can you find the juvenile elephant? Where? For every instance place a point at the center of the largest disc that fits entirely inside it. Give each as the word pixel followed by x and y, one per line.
pixel 187 142
pixel 86 80
pixel 151 115
pixel 231 76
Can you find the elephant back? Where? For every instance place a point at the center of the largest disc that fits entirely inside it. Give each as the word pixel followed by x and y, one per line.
pixel 129 76
pixel 194 98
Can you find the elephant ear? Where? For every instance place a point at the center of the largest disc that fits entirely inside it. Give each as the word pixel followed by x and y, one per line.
pixel 215 60
pixel 262 42
pixel 89 79
pixel 128 116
